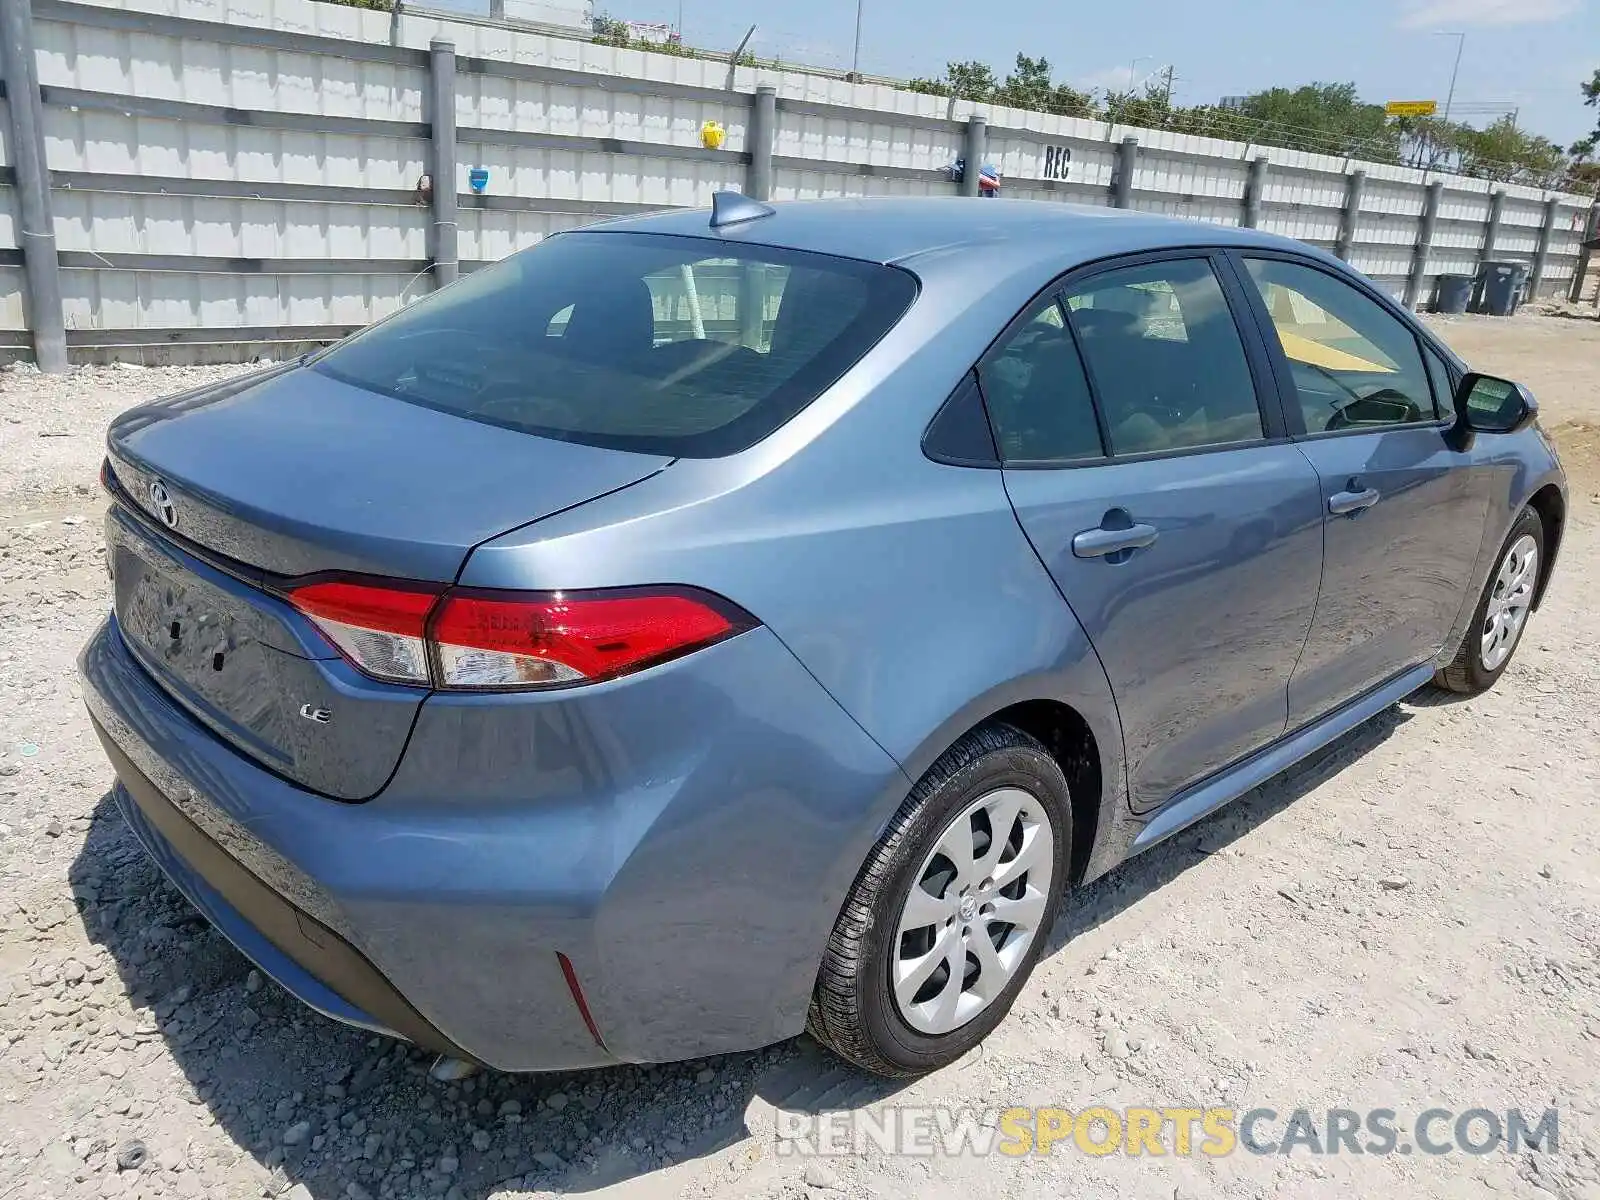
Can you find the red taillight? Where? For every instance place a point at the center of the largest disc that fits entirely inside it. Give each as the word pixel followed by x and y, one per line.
pixel 379 627
pixel 497 640
pixel 383 609
pixel 474 640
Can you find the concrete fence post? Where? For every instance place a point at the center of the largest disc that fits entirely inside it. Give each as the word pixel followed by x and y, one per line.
pixel 1591 229
pixel 1127 160
pixel 1424 247
pixel 1355 184
pixel 1491 227
pixel 1541 256
pixel 36 230
pixel 1253 188
pixel 762 132
pixel 977 146
pixel 442 80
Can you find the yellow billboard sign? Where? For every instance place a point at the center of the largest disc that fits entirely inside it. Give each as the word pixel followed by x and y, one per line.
pixel 1411 108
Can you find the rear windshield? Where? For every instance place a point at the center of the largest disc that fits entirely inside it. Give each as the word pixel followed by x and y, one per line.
pixel 678 346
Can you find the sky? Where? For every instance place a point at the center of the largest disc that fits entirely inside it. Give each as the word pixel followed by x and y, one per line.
pixel 1525 54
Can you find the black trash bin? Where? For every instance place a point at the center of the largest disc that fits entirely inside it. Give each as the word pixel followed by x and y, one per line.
pixel 1502 287
pixel 1453 294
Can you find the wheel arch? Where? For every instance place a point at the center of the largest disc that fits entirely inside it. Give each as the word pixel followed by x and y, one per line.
pixel 1551 506
pixel 1070 739
pixel 1089 758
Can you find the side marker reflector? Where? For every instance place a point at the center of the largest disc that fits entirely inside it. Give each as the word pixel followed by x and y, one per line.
pixel 577 997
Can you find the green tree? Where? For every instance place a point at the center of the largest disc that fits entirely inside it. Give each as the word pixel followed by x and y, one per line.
pixel 1585 148
pixel 1429 142
pixel 1326 117
pixel 1506 153
pixel 965 80
pixel 1068 101
pixel 608 31
pixel 1028 86
pixel 971 80
pixel 1150 108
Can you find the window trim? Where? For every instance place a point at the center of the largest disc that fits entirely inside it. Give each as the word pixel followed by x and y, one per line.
pixel 1288 394
pixel 967 393
pixel 1268 395
pixel 1447 402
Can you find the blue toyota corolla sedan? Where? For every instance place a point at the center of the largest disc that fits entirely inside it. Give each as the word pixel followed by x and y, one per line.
pixel 705 627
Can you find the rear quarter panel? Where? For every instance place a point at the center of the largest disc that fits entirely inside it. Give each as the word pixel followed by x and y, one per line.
pixel 906 587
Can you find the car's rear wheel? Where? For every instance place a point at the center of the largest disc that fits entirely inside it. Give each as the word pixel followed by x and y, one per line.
pixel 951 911
pixel 1502 612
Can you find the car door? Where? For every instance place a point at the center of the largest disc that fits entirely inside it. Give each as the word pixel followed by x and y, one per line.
pixel 1143 453
pixel 1404 511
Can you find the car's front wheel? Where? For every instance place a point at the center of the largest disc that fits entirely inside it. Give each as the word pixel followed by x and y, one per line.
pixel 951 911
pixel 1502 611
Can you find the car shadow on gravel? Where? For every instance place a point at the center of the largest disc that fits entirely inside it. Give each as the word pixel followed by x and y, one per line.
pixel 1436 697
pixel 320 1110
pixel 1160 865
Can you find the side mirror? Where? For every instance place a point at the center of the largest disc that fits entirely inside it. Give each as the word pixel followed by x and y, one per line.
pixel 1485 404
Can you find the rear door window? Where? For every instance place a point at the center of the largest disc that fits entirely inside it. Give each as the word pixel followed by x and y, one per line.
pixel 1166 358
pixel 681 346
pixel 1037 396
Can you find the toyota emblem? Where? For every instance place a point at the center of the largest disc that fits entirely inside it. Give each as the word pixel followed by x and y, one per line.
pixel 161 499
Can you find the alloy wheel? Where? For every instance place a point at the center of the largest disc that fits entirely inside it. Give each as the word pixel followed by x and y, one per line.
pixel 1509 602
pixel 974 908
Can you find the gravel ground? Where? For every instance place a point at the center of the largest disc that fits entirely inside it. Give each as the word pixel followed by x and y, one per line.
pixel 1411 919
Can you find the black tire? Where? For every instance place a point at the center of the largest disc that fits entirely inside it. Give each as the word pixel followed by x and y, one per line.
pixel 1466 675
pixel 853 1011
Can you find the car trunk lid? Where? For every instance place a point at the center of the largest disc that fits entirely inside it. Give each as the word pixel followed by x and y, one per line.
pixel 294 472
pixel 228 495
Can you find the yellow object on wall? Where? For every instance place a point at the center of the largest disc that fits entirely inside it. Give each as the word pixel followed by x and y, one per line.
pixel 711 135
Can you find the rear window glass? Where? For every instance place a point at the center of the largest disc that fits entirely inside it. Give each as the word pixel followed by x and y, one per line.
pixel 667 345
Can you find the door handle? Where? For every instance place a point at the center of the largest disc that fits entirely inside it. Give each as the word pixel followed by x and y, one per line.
pixel 1342 503
pixel 1097 543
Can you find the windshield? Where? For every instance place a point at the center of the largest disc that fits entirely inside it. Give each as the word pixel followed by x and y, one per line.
pixel 681 346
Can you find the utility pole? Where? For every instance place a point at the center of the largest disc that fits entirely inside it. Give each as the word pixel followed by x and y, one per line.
pixel 733 59
pixel 1461 44
pixel 1133 72
pixel 855 61
pixel 1167 102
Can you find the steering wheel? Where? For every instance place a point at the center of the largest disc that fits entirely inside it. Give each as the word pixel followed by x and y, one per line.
pixel 1380 395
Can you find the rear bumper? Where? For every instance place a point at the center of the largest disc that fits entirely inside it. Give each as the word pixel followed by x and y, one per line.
pixel 683 838
pixel 295 949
